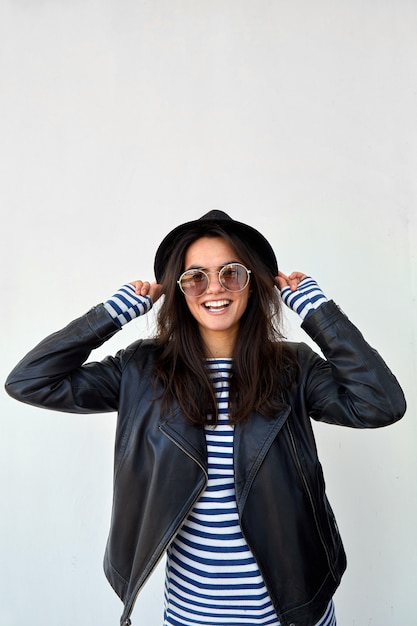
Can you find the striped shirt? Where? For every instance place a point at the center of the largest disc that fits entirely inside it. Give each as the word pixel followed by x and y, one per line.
pixel 212 578
pixel 305 299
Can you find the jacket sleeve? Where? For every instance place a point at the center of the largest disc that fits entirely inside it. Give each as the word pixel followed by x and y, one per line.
pixel 352 385
pixel 53 374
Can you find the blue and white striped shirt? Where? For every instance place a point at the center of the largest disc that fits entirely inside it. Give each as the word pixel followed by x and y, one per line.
pixel 212 578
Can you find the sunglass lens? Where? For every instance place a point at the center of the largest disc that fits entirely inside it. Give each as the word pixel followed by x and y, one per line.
pixel 234 277
pixel 194 283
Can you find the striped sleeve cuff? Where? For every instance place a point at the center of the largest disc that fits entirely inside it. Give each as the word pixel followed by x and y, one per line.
pixel 125 305
pixel 306 299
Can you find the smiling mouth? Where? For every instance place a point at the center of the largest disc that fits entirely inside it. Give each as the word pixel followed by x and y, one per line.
pixel 216 305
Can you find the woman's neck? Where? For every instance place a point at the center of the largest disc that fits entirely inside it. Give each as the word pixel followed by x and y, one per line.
pixel 219 345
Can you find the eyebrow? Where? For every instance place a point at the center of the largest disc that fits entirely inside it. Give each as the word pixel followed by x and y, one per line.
pixel 201 267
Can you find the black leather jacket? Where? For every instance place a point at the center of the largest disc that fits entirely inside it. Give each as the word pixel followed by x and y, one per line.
pixel 160 460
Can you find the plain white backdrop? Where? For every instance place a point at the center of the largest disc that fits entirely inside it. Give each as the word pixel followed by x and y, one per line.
pixel 120 119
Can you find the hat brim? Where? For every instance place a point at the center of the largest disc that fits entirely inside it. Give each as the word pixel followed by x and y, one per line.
pixel 245 232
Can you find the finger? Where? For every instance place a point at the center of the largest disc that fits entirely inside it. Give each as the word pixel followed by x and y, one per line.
pixel 141 287
pixel 137 284
pixel 281 280
pixel 297 276
pixel 294 279
pixel 145 288
pixel 156 291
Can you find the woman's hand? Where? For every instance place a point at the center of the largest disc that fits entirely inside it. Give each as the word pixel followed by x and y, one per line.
pixel 292 281
pixel 145 288
pixel 300 293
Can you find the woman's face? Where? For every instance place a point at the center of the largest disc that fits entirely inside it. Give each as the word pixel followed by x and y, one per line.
pixel 218 311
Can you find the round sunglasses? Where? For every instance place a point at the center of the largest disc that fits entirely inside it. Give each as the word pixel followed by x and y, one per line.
pixel 232 277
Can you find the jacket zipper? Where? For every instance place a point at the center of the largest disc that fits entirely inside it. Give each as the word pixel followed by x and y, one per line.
pixel 310 497
pixel 127 621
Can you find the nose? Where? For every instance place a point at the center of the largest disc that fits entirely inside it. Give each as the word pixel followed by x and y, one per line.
pixel 214 282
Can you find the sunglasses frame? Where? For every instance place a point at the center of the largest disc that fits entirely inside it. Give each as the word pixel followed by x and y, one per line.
pixel 206 274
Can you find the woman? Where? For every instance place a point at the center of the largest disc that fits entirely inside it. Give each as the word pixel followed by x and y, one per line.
pixel 215 459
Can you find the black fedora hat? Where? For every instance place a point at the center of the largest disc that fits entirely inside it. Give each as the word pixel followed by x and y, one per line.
pixel 218 218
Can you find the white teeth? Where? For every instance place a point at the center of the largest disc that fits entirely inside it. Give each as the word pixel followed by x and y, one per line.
pixel 217 304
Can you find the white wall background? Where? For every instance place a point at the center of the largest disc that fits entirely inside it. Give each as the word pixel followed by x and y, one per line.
pixel 120 119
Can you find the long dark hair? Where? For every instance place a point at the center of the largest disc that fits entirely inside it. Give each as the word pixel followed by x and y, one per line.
pixel 263 367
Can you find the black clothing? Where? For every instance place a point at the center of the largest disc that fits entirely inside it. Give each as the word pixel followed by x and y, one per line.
pixel 160 459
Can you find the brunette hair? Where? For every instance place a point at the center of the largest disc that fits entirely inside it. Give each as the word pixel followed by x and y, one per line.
pixel 263 367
